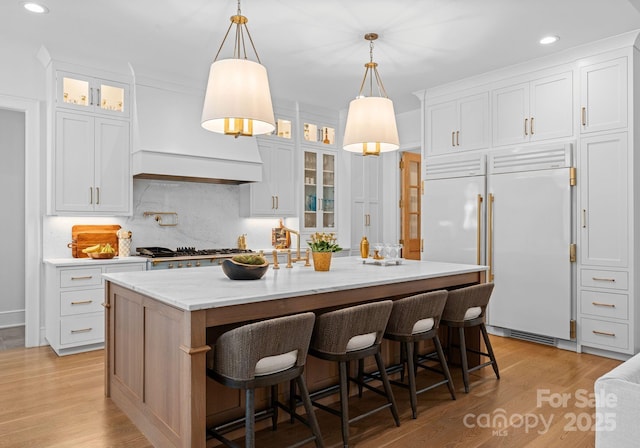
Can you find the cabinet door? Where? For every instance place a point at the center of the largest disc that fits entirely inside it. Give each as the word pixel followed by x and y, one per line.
pixel 473 122
pixel 74 163
pixel 603 96
pixel 510 110
pixel 550 107
pixel 441 127
pixel 112 98
pixel 262 194
pixel 603 200
pixel 83 93
pixel 112 184
pixel 328 198
pixel 311 180
pixel 282 169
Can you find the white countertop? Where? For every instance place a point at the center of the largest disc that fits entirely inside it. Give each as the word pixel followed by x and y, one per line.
pixel 208 287
pixel 90 261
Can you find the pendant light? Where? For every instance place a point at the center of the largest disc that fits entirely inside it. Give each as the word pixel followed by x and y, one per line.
pixel 371 121
pixel 238 101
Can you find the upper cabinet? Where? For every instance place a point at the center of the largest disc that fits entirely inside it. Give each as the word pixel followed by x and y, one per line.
pixel 458 125
pixel 366 199
pixel 90 144
pixel 319 191
pixel 603 96
pixel 87 94
pixel 536 110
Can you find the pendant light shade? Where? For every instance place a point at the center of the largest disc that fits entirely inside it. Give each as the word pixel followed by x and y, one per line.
pixel 238 100
pixel 371 120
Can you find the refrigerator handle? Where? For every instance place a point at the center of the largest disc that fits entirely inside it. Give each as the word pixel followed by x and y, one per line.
pixel 490 237
pixel 479 229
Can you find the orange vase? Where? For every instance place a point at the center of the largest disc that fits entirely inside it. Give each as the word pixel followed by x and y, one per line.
pixel 322 261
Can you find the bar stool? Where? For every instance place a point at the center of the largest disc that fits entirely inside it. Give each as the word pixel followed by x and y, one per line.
pixel 415 319
pixel 466 308
pixel 265 354
pixel 346 335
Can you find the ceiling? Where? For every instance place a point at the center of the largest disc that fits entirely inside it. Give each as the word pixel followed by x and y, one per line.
pixel 315 51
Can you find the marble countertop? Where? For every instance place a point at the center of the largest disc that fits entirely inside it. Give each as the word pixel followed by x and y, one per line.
pixel 90 261
pixel 208 287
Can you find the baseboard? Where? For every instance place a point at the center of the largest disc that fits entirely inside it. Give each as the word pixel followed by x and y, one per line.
pixel 9 319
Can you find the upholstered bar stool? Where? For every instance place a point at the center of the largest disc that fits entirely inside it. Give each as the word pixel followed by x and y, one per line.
pixel 265 354
pixel 414 319
pixel 352 334
pixel 466 308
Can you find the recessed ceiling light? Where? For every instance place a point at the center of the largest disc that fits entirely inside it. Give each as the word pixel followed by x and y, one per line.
pixel 548 40
pixel 36 8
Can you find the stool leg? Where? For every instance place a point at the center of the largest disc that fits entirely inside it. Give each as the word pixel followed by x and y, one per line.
pixel 387 388
pixel 292 400
pixel 445 368
pixel 311 416
pixel 449 342
pixel 412 378
pixel 250 417
pixel 403 359
pixel 274 407
pixel 463 359
pixel 487 342
pixel 344 402
pixel 360 376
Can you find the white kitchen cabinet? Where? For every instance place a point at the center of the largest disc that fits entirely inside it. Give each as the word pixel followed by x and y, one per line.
pixel 94 95
pixel 92 171
pixel 275 195
pixel 603 96
pixel 458 125
pixel 604 206
pixel 366 202
pixel 319 175
pixel 536 110
pixel 74 293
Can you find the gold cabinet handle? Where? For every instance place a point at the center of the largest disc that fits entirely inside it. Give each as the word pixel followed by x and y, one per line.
pixel 82 330
pixel 91 96
pixel 603 333
pixel 457 138
pixel 526 121
pixel 82 302
pixel 453 138
pixel 106 305
pixel 584 218
pixel 603 279
pixel 583 115
pixel 531 126
pixel 97 195
pixel 479 229
pixel 90 195
pixel 608 305
pixel 490 237
pixel 277 202
pixel 86 277
pixel 273 202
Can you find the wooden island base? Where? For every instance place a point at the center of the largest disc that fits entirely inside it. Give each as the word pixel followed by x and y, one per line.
pixel 156 354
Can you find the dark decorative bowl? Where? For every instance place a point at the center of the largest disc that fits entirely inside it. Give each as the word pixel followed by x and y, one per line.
pixel 241 271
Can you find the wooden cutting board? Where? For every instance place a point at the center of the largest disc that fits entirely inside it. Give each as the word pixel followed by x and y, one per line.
pixel 83 236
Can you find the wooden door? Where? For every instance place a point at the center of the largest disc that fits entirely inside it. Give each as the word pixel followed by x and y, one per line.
pixel 410 205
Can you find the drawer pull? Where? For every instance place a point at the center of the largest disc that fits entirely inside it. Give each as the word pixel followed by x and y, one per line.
pixel 609 305
pixel 86 277
pixel 603 333
pixel 603 279
pixel 82 330
pixel 82 302
pixel 106 305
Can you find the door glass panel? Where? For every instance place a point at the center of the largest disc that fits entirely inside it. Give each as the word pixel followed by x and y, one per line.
pixel 75 91
pixel 414 199
pixel 414 171
pixel 283 128
pixel 111 98
pixel 413 226
pixel 328 190
pixel 310 189
pixel 328 135
pixel 310 132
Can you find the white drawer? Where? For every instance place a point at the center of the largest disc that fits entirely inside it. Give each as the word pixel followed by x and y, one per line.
pixel 604 304
pixel 80 277
pixel 605 334
pixel 596 278
pixel 124 268
pixel 82 329
pixel 81 301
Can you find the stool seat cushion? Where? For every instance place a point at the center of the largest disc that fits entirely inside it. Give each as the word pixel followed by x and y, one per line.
pixel 361 341
pixel 472 313
pixel 423 325
pixel 277 363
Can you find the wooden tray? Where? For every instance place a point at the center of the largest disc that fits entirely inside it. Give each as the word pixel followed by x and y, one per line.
pixel 83 236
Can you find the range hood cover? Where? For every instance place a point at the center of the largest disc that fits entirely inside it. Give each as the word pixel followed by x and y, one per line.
pixel 169 142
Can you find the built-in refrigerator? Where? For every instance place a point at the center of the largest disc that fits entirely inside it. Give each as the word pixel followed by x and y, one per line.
pixel 510 209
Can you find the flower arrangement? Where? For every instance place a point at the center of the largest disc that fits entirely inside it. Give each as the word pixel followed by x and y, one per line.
pixel 324 242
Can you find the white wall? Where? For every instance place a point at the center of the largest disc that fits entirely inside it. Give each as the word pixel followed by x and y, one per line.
pixel 12 271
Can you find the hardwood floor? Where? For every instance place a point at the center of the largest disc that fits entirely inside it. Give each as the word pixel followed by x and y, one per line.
pixel 11 337
pixel 51 401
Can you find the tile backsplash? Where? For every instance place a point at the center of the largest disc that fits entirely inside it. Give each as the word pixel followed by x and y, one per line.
pixel 207 216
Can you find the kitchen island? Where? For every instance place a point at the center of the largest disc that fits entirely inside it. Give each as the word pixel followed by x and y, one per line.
pixel 161 324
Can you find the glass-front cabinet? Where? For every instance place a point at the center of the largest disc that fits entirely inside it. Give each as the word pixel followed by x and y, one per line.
pixel 319 191
pixel 95 95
